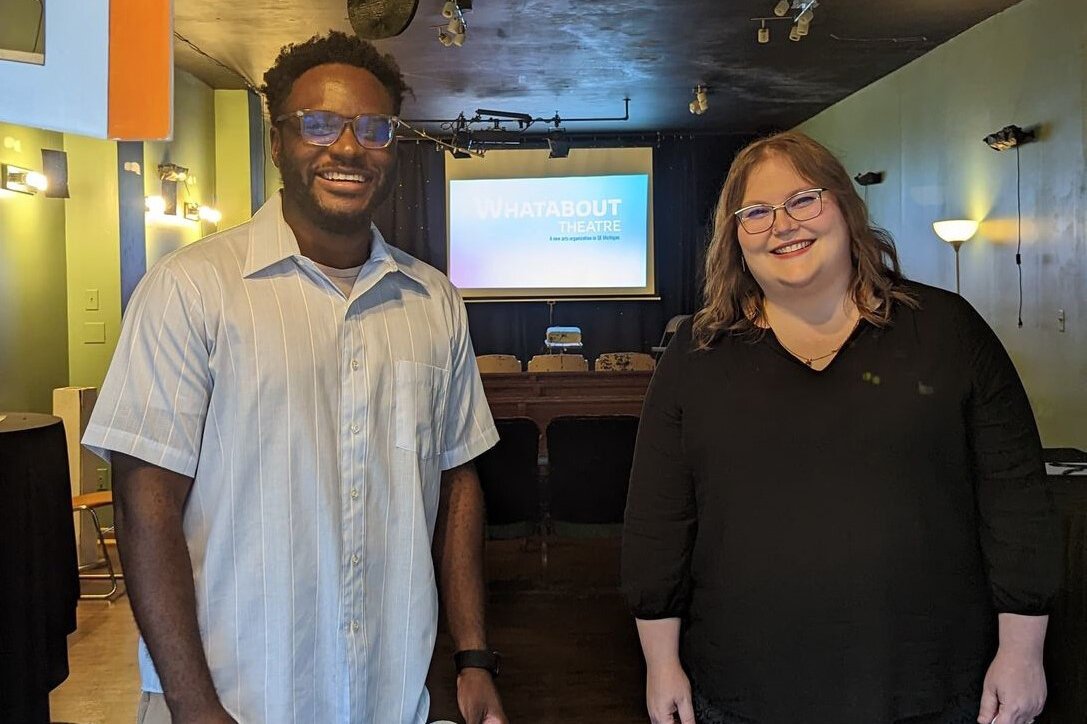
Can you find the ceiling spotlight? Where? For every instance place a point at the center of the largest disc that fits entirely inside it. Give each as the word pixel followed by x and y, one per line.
pixel 781 8
pixel 701 102
pixel 795 34
pixel 764 34
pixel 455 31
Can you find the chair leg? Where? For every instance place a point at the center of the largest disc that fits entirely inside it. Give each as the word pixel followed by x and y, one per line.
pixel 110 575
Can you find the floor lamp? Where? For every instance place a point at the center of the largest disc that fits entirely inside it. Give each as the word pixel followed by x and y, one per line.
pixel 955 232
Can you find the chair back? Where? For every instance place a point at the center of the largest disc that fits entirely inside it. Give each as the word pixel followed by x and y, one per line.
pixel 558 363
pixel 496 363
pixel 508 473
pixel 669 330
pixel 624 362
pixel 589 460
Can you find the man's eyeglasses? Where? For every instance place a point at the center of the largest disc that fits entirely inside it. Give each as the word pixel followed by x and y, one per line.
pixel 801 206
pixel 324 128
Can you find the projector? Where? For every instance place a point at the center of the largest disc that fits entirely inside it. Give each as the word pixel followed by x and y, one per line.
pixel 562 337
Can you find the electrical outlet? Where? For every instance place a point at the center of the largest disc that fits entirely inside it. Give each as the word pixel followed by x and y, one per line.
pixel 100 478
pixel 1060 320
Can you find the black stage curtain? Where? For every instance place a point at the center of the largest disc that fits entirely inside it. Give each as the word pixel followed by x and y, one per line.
pixel 687 176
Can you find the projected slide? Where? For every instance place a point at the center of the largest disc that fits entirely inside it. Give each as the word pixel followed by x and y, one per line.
pixel 566 233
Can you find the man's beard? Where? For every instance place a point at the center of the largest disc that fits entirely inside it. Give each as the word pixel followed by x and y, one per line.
pixel 343 223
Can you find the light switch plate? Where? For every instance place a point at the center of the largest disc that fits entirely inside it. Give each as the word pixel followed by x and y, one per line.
pixel 90 300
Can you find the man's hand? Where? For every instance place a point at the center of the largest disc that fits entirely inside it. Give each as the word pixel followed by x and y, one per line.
pixel 478 698
pixel 1014 690
pixel 667 693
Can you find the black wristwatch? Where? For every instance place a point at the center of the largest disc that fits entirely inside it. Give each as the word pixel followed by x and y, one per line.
pixel 477 659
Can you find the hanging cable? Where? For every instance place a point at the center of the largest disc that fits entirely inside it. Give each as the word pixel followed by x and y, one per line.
pixel 248 83
pixel 1019 235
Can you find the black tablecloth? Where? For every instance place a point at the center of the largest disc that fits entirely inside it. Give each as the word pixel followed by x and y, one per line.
pixel 38 564
pixel 1066 640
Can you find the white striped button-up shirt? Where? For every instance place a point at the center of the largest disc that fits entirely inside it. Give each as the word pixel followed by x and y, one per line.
pixel 315 426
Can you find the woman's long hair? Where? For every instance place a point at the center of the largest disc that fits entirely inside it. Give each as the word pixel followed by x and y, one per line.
pixel 732 299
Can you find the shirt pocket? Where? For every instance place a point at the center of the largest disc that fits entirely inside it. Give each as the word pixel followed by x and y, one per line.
pixel 420 407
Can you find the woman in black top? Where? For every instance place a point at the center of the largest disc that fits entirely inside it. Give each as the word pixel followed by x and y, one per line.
pixel 838 511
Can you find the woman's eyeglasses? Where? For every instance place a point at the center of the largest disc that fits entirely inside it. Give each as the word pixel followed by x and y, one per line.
pixel 801 206
pixel 324 128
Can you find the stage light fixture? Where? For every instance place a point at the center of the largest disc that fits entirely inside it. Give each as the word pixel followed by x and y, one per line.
pixel 794 34
pixel 558 145
pixel 764 34
pixel 455 31
pixel 781 8
pixel 701 102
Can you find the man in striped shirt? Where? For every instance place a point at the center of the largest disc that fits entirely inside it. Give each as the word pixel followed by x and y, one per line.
pixel 292 412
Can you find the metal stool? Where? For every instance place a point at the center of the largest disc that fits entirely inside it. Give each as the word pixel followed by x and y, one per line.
pixel 88 503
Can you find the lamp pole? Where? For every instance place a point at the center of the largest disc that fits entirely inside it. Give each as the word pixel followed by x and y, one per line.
pixel 956 244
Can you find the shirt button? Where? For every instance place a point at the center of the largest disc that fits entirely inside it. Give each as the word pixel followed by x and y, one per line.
pixel 354 492
pixel 355 559
pixel 354 625
pixel 355 428
pixel 354 364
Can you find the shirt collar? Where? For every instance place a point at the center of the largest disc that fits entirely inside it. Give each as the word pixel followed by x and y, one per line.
pixel 271 240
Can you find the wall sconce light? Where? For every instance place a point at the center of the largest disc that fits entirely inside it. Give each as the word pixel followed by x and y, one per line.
pixel 155 205
pixel 210 215
pixel 22 180
pixel 869 178
pixel 1010 137
pixel 955 232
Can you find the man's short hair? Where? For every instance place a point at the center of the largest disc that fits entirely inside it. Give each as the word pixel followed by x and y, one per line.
pixel 336 47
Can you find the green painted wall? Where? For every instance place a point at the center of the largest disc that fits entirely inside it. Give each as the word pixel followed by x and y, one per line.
pixel 193 147
pixel 923 125
pixel 272 180
pixel 94 258
pixel 22 25
pixel 232 156
pixel 33 313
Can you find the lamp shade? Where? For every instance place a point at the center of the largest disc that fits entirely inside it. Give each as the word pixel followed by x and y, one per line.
pixel 955 230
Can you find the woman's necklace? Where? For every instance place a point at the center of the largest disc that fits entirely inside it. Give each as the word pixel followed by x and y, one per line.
pixel 809 360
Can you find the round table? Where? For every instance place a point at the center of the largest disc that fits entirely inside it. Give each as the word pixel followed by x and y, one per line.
pixel 38 559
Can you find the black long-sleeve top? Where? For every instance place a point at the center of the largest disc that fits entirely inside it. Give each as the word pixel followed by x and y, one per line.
pixel 837 543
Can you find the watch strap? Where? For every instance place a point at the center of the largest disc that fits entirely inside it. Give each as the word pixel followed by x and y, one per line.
pixel 477 659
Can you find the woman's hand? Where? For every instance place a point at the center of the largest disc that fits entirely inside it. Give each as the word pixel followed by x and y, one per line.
pixel 1014 690
pixel 668 692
